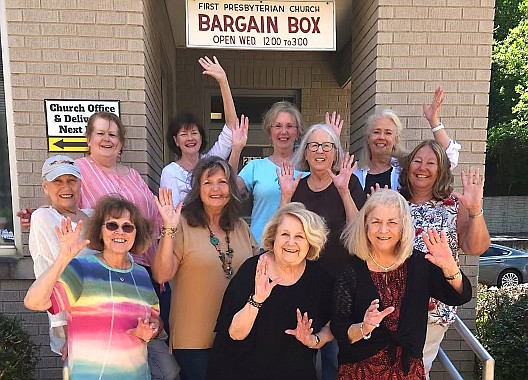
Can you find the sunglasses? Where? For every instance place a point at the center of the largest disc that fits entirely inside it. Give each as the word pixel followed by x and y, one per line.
pixel 125 227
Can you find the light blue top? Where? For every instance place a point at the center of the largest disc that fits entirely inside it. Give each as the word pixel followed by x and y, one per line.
pixel 260 177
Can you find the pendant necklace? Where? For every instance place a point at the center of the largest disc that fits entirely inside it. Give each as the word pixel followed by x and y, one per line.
pixel 384 268
pixel 122 279
pixel 226 258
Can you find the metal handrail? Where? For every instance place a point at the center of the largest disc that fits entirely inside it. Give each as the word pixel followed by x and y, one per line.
pixel 488 363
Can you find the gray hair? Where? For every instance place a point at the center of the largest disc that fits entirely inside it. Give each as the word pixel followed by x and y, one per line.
pixel 299 158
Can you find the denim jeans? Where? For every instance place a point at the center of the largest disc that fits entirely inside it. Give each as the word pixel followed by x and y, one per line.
pixel 329 360
pixel 193 363
pixel 162 364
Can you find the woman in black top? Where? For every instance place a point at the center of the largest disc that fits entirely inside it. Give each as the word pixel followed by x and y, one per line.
pixel 276 309
pixel 331 191
pixel 381 298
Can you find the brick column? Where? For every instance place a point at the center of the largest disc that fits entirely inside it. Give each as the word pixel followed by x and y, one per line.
pixel 402 51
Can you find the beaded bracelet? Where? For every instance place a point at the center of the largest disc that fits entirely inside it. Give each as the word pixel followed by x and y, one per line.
pixel 169 231
pixel 254 303
pixel 367 336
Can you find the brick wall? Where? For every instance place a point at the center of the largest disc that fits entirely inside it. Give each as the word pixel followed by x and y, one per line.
pixel 407 49
pixel 70 50
pixel 365 37
pixel 506 215
pixel 160 65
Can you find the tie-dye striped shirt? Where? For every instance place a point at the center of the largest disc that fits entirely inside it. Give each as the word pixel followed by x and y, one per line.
pixel 96 184
pixel 103 303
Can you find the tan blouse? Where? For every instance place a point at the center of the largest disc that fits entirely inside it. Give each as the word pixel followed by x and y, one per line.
pixel 200 282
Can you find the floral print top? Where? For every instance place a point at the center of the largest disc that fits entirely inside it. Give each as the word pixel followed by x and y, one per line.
pixel 440 215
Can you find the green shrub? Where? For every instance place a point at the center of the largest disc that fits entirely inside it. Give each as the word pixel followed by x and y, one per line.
pixel 502 327
pixel 18 354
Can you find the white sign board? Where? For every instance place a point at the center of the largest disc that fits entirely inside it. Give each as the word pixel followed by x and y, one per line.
pixel 66 121
pixel 264 25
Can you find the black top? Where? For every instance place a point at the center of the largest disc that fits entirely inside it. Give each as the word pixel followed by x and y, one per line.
pixel 268 352
pixel 383 179
pixel 354 290
pixel 327 203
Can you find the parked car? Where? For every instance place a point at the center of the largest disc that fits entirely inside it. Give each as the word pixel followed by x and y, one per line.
pixel 503 266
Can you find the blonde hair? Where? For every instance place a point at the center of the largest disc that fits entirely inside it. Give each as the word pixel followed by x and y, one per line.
pixel 355 237
pixel 314 228
pixel 397 150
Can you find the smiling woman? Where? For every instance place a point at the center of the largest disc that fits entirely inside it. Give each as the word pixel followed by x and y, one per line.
pixel 275 312
pixel 200 252
pixel 123 301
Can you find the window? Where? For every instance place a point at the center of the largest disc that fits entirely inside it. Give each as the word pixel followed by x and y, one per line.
pixel 6 210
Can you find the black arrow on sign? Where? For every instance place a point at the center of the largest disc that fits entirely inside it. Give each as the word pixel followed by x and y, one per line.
pixel 65 144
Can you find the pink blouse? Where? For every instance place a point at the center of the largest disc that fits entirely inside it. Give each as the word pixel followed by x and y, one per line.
pixel 97 183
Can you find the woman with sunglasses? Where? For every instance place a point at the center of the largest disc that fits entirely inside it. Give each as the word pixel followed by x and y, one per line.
pixel 200 254
pixel 112 307
pixel 332 192
pixel 61 181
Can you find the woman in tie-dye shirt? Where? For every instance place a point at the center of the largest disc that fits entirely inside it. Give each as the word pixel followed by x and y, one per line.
pixel 111 305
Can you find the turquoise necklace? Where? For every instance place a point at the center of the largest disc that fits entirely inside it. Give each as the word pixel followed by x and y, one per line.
pixel 226 258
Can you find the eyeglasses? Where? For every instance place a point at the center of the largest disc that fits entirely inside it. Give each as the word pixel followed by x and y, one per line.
pixel 314 147
pixel 125 227
pixel 288 128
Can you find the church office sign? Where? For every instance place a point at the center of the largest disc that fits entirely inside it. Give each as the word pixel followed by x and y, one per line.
pixel 262 25
pixel 66 122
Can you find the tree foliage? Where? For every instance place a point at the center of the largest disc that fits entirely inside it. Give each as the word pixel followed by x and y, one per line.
pixel 507 157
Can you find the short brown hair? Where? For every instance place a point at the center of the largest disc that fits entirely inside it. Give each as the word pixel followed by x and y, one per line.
pixel 110 117
pixel 114 207
pixel 314 228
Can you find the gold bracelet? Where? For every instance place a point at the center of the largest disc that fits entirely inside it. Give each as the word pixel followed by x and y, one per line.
pixel 169 231
pixel 451 278
pixel 480 213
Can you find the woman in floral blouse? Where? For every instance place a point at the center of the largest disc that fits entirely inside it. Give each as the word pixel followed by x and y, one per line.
pixel 426 181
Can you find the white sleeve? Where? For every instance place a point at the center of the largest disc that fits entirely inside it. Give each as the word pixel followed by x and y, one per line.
pixel 44 249
pixel 222 146
pixel 169 179
pixel 453 152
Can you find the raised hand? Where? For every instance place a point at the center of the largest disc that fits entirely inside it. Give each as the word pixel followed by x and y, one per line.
pixel 303 331
pixel 346 170
pixel 373 316
pixel 438 249
pixel 263 286
pixel 288 183
pixel 146 329
pixel 432 111
pixel 375 188
pixel 335 122
pixel 472 190
pixel 70 241
pixel 240 133
pixel 169 214
pixel 212 68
